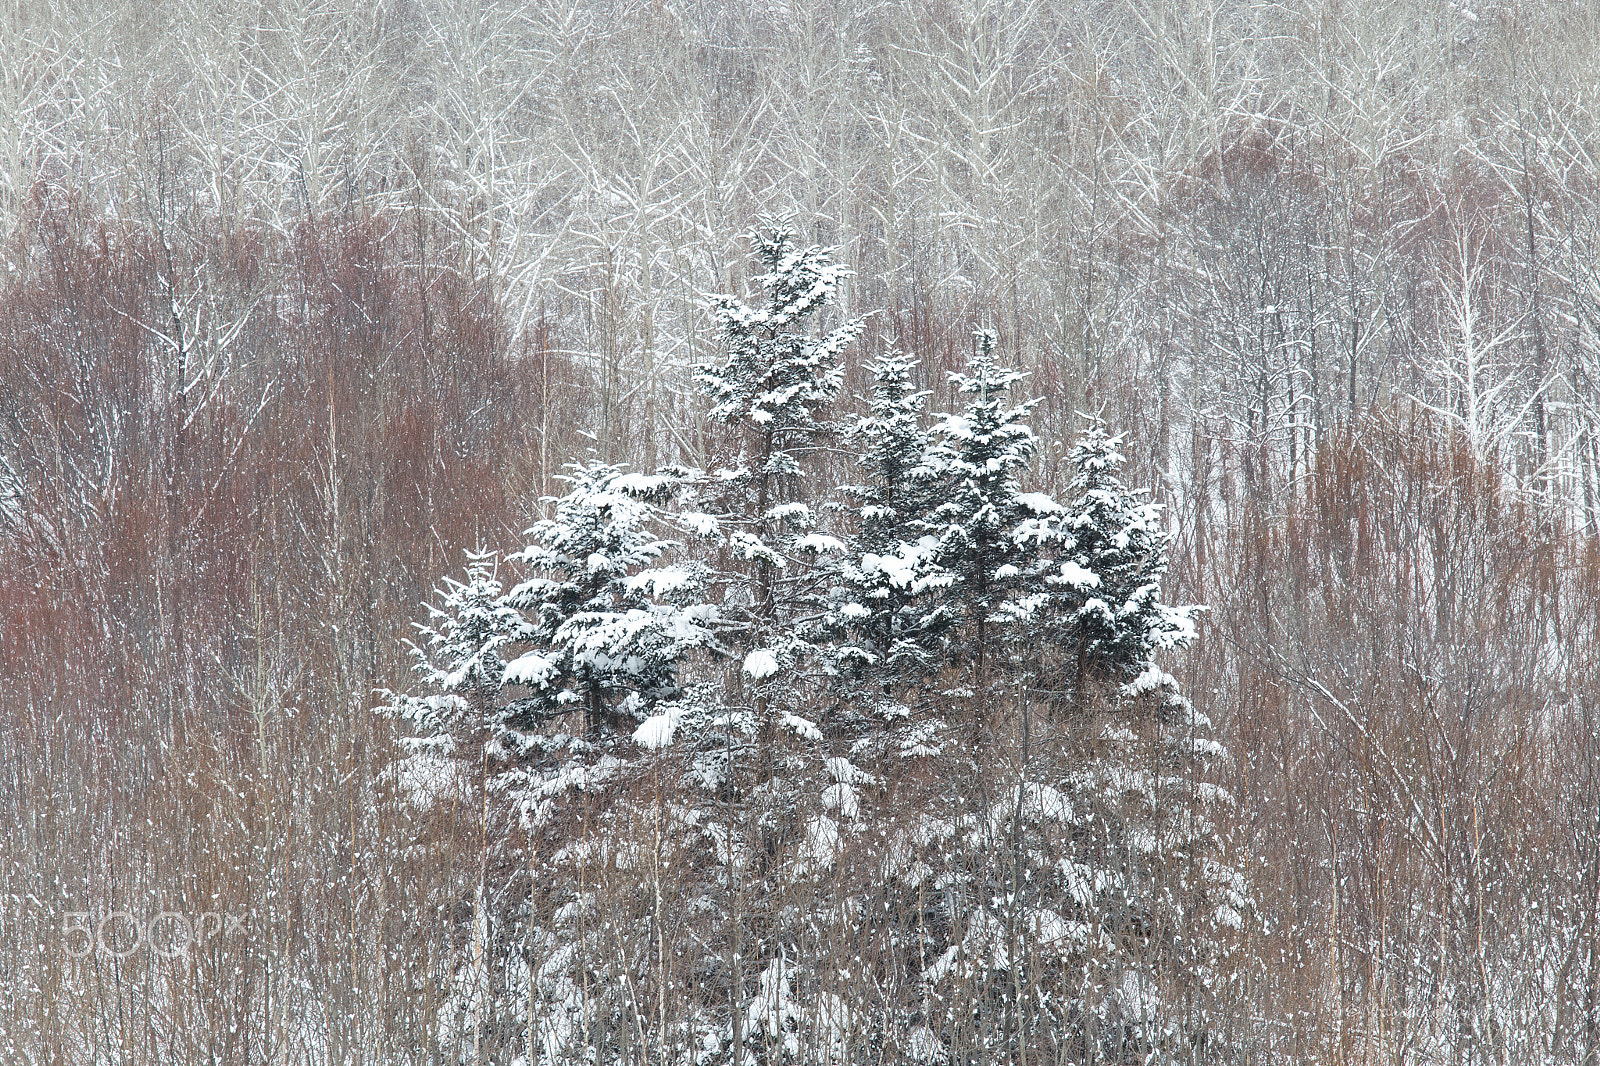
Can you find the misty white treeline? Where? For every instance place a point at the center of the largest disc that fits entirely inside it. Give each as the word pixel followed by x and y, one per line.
pixel 1269 218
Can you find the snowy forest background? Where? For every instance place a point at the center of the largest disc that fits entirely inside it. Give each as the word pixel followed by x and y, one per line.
pixel 305 301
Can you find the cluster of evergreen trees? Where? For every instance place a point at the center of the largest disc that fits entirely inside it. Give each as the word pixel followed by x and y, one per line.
pixel 925 708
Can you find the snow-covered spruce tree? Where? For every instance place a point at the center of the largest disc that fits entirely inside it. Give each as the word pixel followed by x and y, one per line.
pixel 461 666
pixel 891 563
pixel 1151 873
pixel 1103 605
pixel 987 529
pixel 532 697
pixel 884 616
pixel 598 629
pixel 1086 904
pixel 740 822
pixel 609 626
pixel 460 661
pixel 773 390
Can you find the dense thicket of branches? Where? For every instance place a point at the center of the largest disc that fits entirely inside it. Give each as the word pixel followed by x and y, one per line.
pixel 303 300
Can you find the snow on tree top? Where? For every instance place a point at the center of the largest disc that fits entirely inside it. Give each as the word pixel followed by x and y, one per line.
pixel 760 664
pixel 1077 576
pixel 531 668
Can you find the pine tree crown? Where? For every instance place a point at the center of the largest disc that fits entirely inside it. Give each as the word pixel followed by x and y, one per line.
pixel 775 379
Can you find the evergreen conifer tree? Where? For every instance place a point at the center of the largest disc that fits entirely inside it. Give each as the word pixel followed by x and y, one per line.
pixel 891 563
pixel 773 389
pixel 609 626
pixel 1056 888
pixel 591 641
pixel 1104 588
pixel 461 658
pixel 884 616
pixel 986 527
pixel 1110 897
